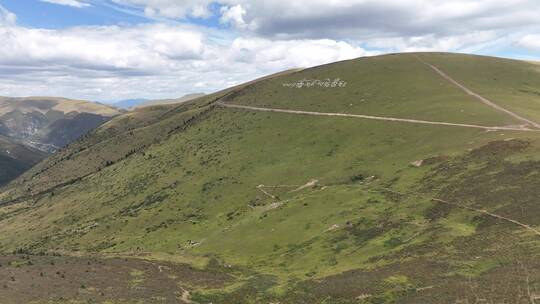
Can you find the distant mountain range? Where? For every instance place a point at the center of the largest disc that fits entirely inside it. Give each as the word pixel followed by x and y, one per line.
pixel 129 103
pixel 141 102
pixel 33 127
pixel 182 99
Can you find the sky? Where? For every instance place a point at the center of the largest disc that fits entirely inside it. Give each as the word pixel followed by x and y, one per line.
pixel 110 50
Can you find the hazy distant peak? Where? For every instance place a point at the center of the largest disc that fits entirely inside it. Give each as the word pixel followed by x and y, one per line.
pixel 182 99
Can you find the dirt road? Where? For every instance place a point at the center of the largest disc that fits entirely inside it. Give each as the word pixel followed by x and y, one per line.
pixel 415 121
pixel 478 96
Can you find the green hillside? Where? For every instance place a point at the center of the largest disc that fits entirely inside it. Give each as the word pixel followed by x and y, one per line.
pixel 305 207
pixel 393 85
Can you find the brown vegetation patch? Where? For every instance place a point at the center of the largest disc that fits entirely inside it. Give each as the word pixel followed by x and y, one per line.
pixel 24 279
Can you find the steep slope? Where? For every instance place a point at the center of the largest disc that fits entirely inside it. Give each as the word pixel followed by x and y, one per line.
pixel 47 123
pixel 16 159
pixel 391 184
pixel 11 168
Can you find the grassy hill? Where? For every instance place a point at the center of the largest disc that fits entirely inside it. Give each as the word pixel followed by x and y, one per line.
pixel 438 206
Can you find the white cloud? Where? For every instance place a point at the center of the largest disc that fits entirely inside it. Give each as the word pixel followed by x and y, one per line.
pixel 396 25
pixel 7 18
pixel 74 3
pixel 358 19
pixel 142 48
pixel 272 55
pixel 469 42
pixel 148 60
pixel 171 8
pixel 531 42
pixel 234 15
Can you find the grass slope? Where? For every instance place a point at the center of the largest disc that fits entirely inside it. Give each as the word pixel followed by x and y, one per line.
pixel 301 209
pixel 393 85
pixel 510 83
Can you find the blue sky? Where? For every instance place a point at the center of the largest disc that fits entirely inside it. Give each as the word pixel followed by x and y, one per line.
pixel 108 50
pixel 42 14
pixel 34 13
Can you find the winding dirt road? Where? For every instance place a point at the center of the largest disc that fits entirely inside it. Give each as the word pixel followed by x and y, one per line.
pixel 415 121
pixel 478 96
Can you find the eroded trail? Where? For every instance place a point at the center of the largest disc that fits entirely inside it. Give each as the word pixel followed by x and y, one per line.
pixel 500 217
pixel 478 96
pixel 415 121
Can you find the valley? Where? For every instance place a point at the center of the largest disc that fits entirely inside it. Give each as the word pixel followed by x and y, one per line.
pixel 32 128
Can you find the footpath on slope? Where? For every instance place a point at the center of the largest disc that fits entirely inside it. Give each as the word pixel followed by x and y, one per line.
pixel 416 121
pixel 478 96
pixel 500 217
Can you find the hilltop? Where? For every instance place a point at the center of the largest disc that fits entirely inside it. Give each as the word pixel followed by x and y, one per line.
pixel 405 178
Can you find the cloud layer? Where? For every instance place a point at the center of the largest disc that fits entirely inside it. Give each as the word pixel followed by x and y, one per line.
pixel 74 3
pixel 150 60
pixel 171 57
pixel 357 19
